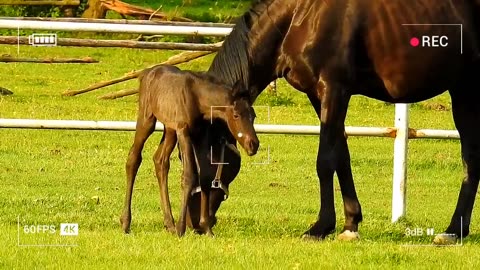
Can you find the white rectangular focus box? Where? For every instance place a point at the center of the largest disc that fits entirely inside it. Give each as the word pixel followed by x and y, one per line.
pixel 42 39
pixel 69 229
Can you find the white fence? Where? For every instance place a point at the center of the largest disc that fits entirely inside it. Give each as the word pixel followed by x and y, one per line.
pixel 401 132
pixel 155 29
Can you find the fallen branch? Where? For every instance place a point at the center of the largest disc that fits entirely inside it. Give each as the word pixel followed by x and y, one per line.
pixel 102 84
pixel 174 60
pixel 10 59
pixel 137 11
pixel 121 93
pixel 78 42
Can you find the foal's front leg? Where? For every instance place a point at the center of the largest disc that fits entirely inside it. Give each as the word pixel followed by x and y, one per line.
pixel 205 178
pixel 188 176
pixel 205 223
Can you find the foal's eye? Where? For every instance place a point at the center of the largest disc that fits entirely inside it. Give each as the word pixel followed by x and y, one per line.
pixel 236 116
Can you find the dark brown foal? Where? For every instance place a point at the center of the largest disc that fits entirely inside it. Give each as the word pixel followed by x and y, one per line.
pixel 181 100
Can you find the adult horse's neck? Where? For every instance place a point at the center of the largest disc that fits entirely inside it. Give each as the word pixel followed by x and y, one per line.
pixel 249 53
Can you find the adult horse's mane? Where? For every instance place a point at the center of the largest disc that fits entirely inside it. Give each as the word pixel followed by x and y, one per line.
pixel 232 60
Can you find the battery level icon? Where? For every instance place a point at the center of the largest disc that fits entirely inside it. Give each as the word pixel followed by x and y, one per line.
pixel 42 39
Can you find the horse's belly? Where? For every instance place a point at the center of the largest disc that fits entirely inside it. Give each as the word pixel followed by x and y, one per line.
pixel 418 77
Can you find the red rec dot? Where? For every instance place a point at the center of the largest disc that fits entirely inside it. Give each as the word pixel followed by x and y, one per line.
pixel 414 42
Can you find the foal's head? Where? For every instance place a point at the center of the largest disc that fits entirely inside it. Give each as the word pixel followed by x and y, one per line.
pixel 240 117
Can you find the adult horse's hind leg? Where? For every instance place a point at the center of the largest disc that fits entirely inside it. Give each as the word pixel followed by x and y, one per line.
pixel 188 175
pixel 466 114
pixel 162 166
pixel 145 127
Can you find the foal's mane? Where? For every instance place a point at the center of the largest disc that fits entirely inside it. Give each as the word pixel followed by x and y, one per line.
pixel 232 60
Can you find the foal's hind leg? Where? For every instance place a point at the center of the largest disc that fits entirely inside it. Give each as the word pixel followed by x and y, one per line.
pixel 466 114
pixel 145 127
pixel 162 166
pixel 188 176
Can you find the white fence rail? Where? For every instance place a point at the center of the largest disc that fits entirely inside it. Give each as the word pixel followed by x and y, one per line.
pixel 260 128
pixel 115 28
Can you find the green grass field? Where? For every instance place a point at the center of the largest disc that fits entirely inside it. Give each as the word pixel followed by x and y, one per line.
pixel 48 177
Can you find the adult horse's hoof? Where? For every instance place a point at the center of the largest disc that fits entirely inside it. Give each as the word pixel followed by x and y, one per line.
pixel 348 235
pixel 309 237
pixel 445 239
pixel 318 231
pixel 5 91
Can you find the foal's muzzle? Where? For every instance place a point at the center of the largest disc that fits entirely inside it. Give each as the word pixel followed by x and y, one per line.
pixel 252 145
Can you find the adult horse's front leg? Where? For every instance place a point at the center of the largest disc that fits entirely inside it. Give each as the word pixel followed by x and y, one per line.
pixel 333 155
pixel 351 205
pixel 188 175
pixel 466 114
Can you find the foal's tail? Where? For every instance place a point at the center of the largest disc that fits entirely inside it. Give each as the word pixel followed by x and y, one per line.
pixel 141 78
pixel 145 80
pixel 147 76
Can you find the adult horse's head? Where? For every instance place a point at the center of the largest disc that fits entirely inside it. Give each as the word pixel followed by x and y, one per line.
pixel 240 117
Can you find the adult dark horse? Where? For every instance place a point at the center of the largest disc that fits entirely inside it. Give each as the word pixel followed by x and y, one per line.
pixel 331 50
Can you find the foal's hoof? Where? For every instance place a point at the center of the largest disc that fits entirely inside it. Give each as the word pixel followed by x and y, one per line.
pixel 445 239
pixel 171 229
pixel 125 222
pixel 348 235
pixel 180 231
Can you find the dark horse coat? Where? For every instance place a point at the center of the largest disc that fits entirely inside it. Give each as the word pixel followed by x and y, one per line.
pixel 332 50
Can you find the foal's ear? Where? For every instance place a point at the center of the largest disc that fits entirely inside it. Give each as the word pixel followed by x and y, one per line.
pixel 239 90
